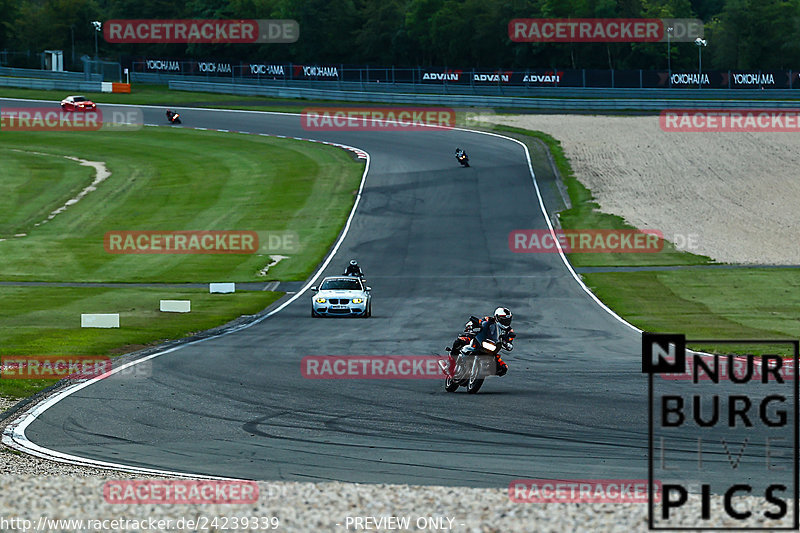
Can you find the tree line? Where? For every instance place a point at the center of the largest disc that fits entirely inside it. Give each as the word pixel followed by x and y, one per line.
pixel 741 34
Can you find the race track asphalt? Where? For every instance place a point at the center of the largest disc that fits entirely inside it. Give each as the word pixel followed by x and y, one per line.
pixel 433 240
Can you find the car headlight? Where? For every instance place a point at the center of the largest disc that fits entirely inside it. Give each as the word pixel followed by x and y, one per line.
pixel 321 300
pixel 358 300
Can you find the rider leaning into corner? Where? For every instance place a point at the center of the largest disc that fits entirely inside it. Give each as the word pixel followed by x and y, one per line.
pixel 502 317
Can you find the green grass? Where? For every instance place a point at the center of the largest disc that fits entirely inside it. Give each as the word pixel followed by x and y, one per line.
pixel 585 213
pixel 46 321
pixel 755 303
pixel 161 179
pixel 166 180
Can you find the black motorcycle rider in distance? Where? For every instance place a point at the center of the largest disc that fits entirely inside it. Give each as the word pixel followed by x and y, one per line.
pixel 353 269
pixel 502 317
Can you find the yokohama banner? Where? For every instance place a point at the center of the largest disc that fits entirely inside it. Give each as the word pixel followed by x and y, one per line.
pixel 535 77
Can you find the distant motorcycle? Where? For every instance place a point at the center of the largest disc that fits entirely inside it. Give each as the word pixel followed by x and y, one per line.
pixel 463 158
pixel 173 117
pixel 471 367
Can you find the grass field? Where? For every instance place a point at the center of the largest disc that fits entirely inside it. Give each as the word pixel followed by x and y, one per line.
pixel 751 303
pixel 163 180
pixel 46 321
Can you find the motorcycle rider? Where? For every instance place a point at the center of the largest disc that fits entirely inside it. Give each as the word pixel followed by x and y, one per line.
pixel 353 269
pixel 502 317
pixel 169 114
pixel 459 153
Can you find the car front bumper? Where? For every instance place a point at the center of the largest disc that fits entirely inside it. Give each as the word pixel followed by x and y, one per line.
pixel 340 310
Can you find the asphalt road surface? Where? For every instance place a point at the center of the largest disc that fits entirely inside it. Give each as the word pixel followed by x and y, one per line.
pixel 433 240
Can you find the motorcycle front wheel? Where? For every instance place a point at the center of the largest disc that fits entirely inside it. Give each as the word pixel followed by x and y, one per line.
pixel 474 383
pixel 450 385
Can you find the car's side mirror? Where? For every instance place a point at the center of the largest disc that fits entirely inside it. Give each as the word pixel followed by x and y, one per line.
pixel 314 289
pixel 369 289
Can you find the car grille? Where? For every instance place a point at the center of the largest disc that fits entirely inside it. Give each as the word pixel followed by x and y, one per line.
pixel 341 311
pixel 339 301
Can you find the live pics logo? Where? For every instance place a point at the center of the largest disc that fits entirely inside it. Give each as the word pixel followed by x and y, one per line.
pixel 723 435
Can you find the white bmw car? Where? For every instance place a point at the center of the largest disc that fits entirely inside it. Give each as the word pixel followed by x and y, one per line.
pixel 341 296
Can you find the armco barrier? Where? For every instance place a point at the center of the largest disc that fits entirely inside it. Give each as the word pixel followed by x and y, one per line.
pixel 479 90
pixel 552 104
pixel 66 85
pixel 48 74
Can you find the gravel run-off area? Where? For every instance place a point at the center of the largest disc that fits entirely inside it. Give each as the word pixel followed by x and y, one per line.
pixel 732 195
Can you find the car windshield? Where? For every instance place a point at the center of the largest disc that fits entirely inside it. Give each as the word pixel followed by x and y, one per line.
pixel 79 99
pixel 341 284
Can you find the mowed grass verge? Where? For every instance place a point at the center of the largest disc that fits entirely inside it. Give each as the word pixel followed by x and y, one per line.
pixel 702 302
pixel 747 303
pixel 161 180
pixel 46 321
pixel 167 180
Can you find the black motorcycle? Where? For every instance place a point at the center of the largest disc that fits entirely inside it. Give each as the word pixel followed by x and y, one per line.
pixel 473 366
pixel 463 158
pixel 173 117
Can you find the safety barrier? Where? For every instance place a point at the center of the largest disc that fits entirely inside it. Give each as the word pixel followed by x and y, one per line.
pixel 66 85
pixel 48 74
pixel 481 90
pixel 608 103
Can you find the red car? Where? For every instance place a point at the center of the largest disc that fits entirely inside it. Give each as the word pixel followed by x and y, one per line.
pixel 77 103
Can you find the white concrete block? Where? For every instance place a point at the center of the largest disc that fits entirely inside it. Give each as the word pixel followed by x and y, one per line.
pixel 109 320
pixel 176 306
pixel 222 287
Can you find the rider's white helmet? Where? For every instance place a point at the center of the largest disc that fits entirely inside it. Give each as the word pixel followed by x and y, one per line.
pixel 503 317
